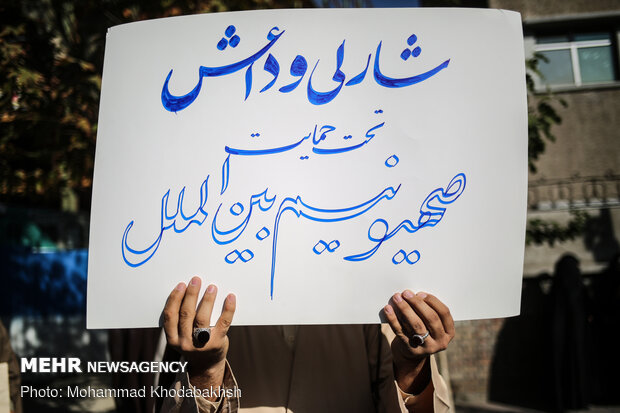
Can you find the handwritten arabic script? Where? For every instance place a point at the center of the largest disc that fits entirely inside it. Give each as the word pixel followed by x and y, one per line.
pixel 298 69
pixel 174 216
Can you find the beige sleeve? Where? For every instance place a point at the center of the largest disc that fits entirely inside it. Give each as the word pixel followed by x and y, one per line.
pixel 434 397
pixel 228 402
pixel 8 356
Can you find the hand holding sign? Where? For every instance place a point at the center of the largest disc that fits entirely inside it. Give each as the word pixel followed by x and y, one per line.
pixel 423 326
pixel 422 323
pixel 206 361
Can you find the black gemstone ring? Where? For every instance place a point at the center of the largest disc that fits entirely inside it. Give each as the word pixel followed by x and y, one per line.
pixel 201 336
pixel 418 339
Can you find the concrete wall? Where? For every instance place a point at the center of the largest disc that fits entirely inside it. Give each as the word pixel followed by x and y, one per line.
pixel 588 140
pixel 547 8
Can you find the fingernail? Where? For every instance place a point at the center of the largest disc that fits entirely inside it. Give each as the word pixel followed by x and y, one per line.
pixel 211 289
pixel 388 309
pixel 195 281
pixel 231 298
pixel 180 287
pixel 422 295
pixel 407 294
pixel 398 298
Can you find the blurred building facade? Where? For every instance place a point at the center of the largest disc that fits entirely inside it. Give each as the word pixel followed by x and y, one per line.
pixel 512 361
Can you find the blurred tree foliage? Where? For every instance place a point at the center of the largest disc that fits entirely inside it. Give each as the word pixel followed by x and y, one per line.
pixel 541 113
pixel 51 60
pixel 540 231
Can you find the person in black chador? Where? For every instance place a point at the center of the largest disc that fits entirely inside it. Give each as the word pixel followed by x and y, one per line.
pixel 568 334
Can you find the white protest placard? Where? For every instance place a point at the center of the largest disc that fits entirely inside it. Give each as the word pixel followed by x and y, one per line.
pixel 313 162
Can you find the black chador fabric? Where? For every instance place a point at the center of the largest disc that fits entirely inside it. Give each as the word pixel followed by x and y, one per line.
pixel 569 335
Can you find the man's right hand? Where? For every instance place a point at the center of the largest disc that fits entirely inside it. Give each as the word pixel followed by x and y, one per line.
pixel 206 364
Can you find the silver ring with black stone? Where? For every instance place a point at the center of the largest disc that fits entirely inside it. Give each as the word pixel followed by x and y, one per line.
pixel 418 339
pixel 201 336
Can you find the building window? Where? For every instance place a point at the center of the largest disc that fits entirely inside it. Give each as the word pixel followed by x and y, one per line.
pixel 576 60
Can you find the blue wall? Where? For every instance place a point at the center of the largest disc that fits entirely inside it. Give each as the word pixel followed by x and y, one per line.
pixel 42 284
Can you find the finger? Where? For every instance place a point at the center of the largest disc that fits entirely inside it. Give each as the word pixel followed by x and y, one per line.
pixel 412 324
pixel 442 310
pixel 225 320
pixel 171 314
pixel 429 316
pixel 393 321
pixel 205 308
pixel 410 321
pixel 188 309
